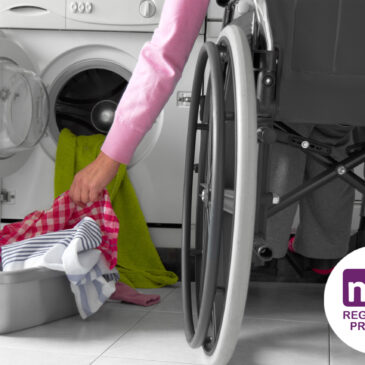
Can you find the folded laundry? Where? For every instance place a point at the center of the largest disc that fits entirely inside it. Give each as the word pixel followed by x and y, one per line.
pixel 65 214
pixel 74 252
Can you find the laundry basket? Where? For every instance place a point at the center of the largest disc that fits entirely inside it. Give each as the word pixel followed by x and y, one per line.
pixel 32 297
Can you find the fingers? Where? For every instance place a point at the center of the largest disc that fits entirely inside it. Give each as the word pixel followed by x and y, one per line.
pixel 88 184
pixel 75 192
pixel 84 194
pixel 84 191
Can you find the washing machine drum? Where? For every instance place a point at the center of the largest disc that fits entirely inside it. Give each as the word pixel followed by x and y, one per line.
pixel 87 101
pixel 24 109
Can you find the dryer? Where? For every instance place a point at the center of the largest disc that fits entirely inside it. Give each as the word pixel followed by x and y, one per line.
pixel 84 52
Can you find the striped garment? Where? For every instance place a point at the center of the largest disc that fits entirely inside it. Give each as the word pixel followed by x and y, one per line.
pixel 65 214
pixel 73 251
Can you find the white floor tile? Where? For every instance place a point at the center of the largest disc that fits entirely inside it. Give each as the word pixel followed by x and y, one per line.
pixel 173 302
pixel 274 342
pixel 107 360
pixel 158 337
pixel 288 301
pixel 74 335
pixel 10 356
pixel 284 324
pixel 341 354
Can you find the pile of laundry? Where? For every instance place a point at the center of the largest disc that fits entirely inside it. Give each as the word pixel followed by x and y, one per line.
pixel 138 262
pixel 80 241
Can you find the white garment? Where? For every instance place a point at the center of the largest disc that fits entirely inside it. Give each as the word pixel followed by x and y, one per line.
pixel 74 252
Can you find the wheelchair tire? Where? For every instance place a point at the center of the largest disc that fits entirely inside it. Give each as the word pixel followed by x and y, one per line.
pixel 223 261
pixel 212 193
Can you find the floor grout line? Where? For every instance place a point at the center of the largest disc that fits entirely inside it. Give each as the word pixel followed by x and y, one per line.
pixel 121 336
pixel 152 361
pixel 284 319
pixel 156 308
pixel 132 327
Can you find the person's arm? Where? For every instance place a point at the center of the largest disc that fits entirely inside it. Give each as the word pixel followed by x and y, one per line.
pixel 159 67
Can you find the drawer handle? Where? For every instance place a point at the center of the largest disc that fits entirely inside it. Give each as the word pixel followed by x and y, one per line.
pixel 28 10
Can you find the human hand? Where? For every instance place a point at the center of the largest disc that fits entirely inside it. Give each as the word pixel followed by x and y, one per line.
pixel 89 182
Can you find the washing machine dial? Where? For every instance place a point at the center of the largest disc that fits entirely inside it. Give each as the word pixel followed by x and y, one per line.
pixel 74 7
pixel 147 8
pixel 89 7
pixel 81 7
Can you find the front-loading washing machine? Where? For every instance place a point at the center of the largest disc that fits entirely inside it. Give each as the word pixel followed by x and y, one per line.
pixel 84 53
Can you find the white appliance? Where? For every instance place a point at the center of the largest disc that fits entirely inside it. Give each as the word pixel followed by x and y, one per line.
pixel 215 16
pixel 84 52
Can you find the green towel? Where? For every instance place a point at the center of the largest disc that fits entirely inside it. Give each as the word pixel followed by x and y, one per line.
pixel 138 262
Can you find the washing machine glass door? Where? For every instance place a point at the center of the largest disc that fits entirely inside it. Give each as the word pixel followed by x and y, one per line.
pixel 24 107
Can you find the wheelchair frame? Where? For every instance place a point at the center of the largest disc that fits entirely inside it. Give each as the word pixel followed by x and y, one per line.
pixel 214 199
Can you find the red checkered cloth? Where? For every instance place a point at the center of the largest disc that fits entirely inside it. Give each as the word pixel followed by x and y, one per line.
pixel 66 214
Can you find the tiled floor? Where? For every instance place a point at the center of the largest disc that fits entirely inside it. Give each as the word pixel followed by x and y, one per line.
pixel 284 324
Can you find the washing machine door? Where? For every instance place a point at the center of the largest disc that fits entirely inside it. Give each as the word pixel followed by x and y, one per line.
pixel 24 107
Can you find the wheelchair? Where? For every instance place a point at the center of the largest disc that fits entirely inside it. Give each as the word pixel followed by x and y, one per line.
pixel 249 88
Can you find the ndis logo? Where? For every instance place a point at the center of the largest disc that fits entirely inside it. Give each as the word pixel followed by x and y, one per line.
pixel 354 287
pixel 344 300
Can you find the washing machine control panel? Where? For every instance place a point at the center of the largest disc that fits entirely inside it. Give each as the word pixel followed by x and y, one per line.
pixel 147 8
pixel 82 7
pixel 122 15
pixel 110 15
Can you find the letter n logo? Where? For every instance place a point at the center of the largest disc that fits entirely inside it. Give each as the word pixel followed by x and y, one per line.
pixel 354 287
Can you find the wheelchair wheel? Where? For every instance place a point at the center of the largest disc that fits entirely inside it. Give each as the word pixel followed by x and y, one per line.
pixel 225 189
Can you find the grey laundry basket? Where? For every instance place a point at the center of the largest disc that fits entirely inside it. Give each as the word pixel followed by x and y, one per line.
pixel 32 297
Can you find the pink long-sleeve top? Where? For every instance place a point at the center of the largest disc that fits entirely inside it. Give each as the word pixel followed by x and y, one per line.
pixel 159 68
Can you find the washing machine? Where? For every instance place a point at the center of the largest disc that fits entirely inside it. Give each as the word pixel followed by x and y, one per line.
pixel 81 54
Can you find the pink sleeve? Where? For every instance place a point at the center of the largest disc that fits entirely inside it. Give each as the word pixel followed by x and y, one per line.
pixel 159 68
